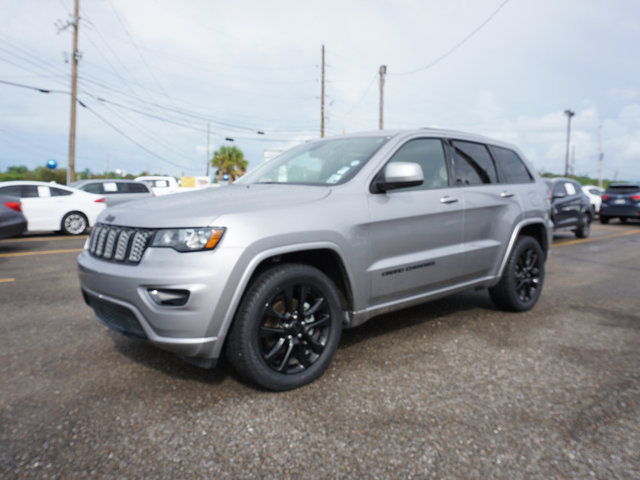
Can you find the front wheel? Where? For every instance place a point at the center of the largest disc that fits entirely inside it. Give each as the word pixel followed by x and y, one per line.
pixel 521 282
pixel 584 229
pixel 74 223
pixel 287 328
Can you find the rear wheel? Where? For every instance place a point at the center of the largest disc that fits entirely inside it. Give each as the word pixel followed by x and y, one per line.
pixel 74 223
pixel 623 219
pixel 521 282
pixel 287 328
pixel 604 220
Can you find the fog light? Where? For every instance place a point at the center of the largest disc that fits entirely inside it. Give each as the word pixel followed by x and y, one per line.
pixel 168 297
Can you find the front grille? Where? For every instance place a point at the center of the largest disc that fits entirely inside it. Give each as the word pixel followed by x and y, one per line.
pixel 119 244
pixel 115 316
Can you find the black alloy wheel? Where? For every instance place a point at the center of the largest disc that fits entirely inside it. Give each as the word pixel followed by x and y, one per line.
pixel 294 329
pixel 521 283
pixel 287 328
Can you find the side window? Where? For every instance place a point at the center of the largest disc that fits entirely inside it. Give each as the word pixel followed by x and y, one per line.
pixel 58 192
pixel 12 190
pixel 472 164
pixel 558 189
pixel 511 168
pixel 92 188
pixel 570 188
pixel 429 154
pixel 134 188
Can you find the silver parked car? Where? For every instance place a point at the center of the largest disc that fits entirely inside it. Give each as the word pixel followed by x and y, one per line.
pixel 327 235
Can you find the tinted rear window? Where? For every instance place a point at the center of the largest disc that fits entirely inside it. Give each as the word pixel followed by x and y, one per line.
pixel 21 191
pixel 12 190
pixel 92 188
pixel 134 187
pixel 472 164
pixel 59 192
pixel 511 168
pixel 623 188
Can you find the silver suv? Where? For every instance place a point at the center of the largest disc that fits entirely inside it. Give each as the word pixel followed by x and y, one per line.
pixel 327 235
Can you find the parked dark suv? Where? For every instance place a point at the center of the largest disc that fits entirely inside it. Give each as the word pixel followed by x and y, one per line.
pixel 570 207
pixel 622 201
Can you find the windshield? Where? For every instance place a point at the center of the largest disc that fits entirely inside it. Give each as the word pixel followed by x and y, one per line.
pixel 326 162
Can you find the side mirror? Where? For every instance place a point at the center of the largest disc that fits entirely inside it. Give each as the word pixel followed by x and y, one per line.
pixel 398 175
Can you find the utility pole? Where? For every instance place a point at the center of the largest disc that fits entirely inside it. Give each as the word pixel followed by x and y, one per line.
pixel 322 98
pixel 569 114
pixel 208 159
pixel 600 156
pixel 383 72
pixel 71 171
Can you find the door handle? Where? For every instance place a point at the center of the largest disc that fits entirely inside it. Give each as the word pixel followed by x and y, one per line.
pixel 507 194
pixel 448 199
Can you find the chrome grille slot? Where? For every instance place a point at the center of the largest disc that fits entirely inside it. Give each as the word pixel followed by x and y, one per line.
pixel 117 244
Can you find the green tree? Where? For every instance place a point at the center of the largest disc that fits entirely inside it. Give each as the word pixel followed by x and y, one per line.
pixel 229 161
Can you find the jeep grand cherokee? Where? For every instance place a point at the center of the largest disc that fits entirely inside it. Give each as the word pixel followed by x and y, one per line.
pixel 327 235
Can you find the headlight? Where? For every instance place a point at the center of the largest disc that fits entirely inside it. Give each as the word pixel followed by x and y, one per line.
pixel 188 239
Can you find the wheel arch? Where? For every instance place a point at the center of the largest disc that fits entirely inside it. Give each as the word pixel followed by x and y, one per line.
pixel 327 260
pixel 324 257
pixel 535 229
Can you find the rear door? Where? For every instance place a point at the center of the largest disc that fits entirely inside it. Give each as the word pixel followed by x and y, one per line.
pixel 567 204
pixel 416 232
pixel 492 209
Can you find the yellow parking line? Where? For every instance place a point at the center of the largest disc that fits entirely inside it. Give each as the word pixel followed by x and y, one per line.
pixel 7 280
pixel 39 239
pixel 593 239
pixel 44 252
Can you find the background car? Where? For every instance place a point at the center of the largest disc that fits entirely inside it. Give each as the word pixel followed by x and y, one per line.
pixel 594 193
pixel 115 191
pixel 570 207
pixel 54 207
pixel 160 185
pixel 620 200
pixel 12 220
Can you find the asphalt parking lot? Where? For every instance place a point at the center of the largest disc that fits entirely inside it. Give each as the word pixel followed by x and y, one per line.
pixel 450 389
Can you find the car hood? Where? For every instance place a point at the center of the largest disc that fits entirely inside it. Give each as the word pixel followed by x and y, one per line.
pixel 202 207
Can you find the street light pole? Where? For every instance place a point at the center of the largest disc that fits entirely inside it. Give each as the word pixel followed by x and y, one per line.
pixel 569 114
pixel 383 72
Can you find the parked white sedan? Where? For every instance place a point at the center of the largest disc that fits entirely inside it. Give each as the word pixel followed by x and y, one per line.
pixel 53 207
pixel 594 193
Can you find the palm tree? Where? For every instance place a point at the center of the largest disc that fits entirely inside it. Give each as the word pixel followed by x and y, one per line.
pixel 229 161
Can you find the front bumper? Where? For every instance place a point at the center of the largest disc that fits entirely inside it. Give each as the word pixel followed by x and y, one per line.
pixel 121 298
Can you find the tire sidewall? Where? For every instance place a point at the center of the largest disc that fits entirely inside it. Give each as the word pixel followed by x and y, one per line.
pixel 522 245
pixel 249 318
pixel 70 214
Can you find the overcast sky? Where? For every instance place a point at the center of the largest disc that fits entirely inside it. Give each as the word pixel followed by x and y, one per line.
pixel 154 73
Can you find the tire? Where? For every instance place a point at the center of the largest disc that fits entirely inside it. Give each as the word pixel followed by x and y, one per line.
pixel 623 219
pixel 286 329
pixel 74 223
pixel 604 220
pixel 584 229
pixel 522 279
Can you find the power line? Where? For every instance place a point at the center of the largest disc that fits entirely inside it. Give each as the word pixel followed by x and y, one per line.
pixel 30 87
pixel 135 142
pixel 458 45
